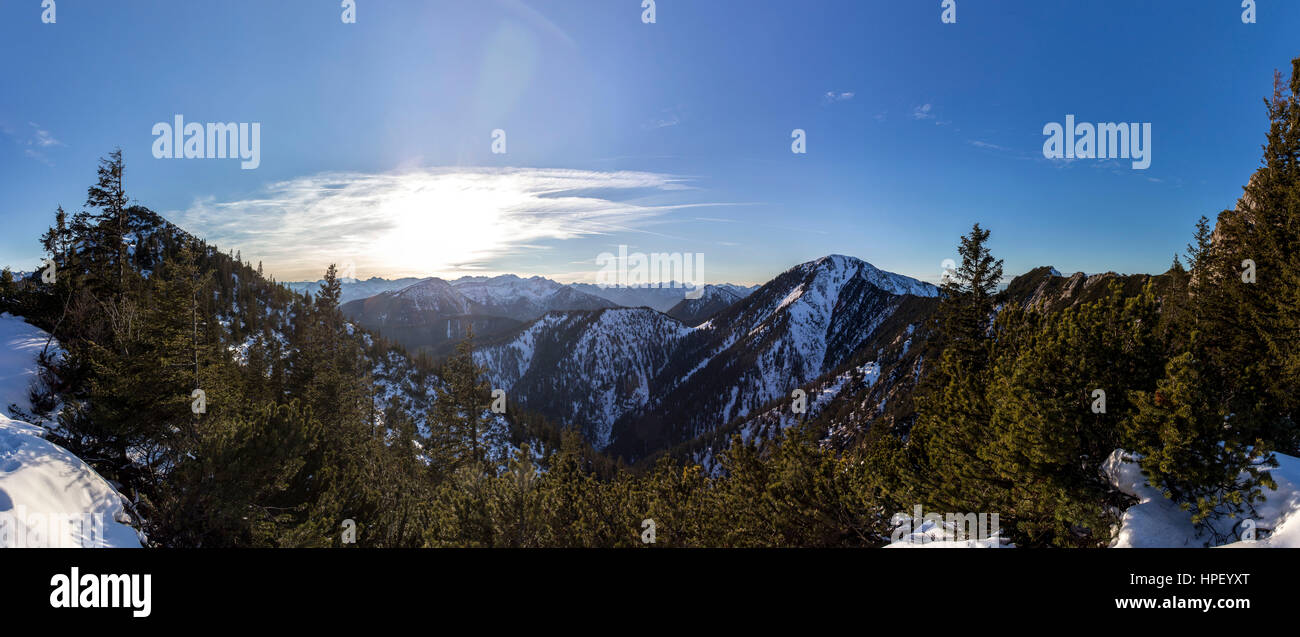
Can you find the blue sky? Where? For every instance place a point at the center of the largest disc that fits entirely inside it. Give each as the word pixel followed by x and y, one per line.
pixel 376 137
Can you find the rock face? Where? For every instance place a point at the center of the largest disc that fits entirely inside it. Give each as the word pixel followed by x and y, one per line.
pixel 585 369
pixel 1049 290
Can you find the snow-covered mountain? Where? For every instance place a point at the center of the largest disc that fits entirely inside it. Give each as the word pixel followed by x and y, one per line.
pixel 673 382
pixel 509 289
pixel 524 299
pixel 799 326
pixel 586 369
pixel 353 289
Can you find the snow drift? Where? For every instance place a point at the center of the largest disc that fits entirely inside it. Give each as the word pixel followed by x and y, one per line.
pixel 48 497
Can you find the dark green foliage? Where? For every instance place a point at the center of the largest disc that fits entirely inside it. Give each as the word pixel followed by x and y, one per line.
pixel 1047 442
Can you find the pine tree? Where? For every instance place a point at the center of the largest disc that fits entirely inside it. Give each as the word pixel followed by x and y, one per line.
pixel 109 196
pixel 469 431
pixel 1049 438
pixel 952 407
pixel 1179 436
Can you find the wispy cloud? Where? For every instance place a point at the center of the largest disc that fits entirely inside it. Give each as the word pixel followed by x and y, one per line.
pixel 837 96
pixel 430 221
pixel 926 112
pixel 38 156
pixel 983 144
pixel 42 137
pixel 34 143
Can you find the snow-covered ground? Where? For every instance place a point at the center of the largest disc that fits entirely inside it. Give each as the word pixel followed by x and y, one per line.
pixel 48 497
pixel 20 343
pixel 1155 522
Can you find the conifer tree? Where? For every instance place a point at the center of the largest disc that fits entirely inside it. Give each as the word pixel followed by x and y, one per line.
pixel 109 196
pixel 952 408
pixel 1060 388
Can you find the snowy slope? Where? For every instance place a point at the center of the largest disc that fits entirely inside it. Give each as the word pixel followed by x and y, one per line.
pixel 20 343
pixel 801 325
pixel 48 497
pixel 767 424
pixel 585 369
pixel 1156 522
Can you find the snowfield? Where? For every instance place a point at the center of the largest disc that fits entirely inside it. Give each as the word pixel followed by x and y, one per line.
pixel 48 497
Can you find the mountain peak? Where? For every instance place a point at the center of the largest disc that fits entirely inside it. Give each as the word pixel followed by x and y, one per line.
pixel 887 281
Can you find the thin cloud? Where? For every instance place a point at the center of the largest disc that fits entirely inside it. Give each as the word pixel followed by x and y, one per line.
pixel 42 137
pixel 36 143
pixel 925 112
pixel 37 156
pixel 983 144
pixel 429 221
pixel 831 97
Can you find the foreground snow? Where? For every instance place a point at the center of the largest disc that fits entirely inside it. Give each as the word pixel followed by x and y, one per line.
pixel 48 497
pixel 1154 522
pixel 20 343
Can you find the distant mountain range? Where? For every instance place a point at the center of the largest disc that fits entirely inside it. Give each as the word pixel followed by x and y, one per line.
pixel 354 289
pixel 433 313
pixel 660 297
